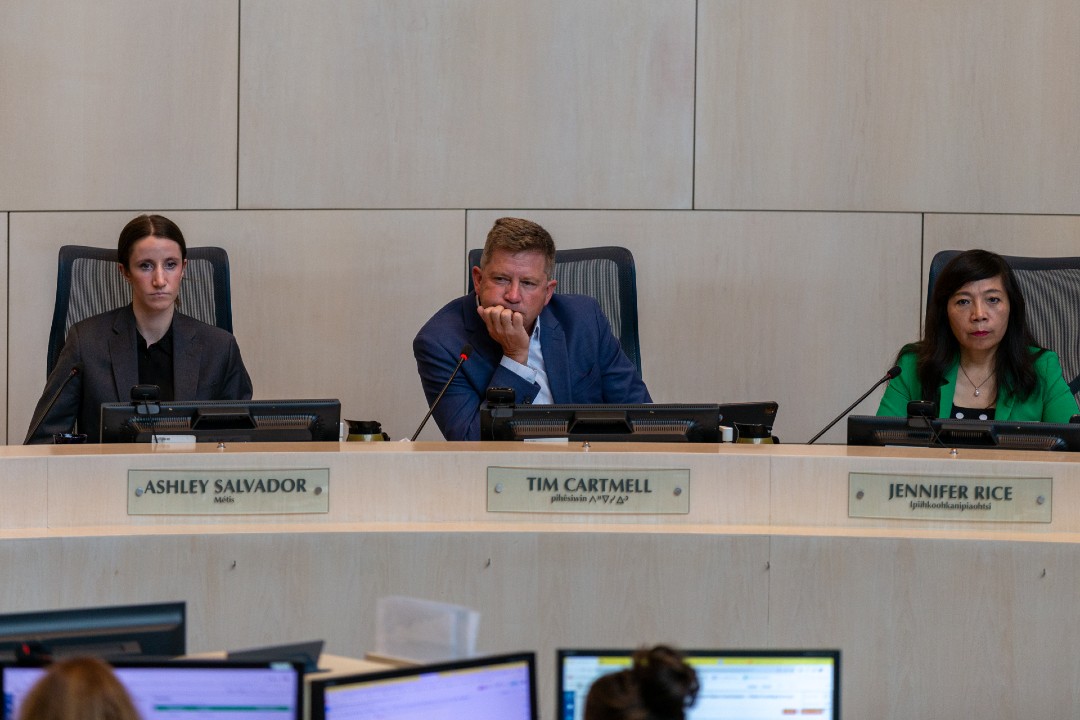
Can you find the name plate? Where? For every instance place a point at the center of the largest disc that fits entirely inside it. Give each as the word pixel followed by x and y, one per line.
pixel 947 497
pixel 228 492
pixel 592 490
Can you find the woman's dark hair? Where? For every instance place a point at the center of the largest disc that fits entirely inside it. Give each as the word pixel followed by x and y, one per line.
pixel 939 347
pixel 148 226
pixel 659 686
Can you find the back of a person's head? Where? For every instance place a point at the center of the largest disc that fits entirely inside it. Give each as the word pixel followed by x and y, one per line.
pixel 78 689
pixel 659 686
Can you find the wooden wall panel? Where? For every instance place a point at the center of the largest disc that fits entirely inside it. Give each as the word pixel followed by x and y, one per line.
pixel 961 106
pixel 1023 235
pixel 476 103
pixel 717 321
pixel 118 103
pixel 890 604
pixel 1026 235
pixel 4 356
pixel 808 309
pixel 535 591
pixel 909 614
pixel 325 304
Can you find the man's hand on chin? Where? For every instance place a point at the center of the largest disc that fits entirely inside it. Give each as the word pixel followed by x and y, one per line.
pixel 507 327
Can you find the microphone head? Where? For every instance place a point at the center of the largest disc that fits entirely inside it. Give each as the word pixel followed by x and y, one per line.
pixel 894 371
pixel 466 351
pixel 145 393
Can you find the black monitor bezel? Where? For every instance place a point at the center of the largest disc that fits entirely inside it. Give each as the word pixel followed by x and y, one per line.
pixel 562 653
pixel 164 622
pixel 497 422
pixel 866 430
pixel 319 686
pixel 116 426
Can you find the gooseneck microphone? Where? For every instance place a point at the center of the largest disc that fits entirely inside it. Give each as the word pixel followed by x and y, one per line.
pixel 462 357
pixel 75 371
pixel 893 372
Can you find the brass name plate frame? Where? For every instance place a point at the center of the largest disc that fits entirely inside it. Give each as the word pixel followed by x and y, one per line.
pixel 229 492
pixel 617 491
pixel 950 497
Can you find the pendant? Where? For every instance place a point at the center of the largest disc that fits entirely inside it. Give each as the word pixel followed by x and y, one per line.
pixel 976 392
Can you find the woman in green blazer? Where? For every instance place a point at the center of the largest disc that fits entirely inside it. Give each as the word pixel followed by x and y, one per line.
pixel 977 359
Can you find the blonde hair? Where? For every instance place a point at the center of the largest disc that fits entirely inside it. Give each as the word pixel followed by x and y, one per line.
pixel 78 689
pixel 515 235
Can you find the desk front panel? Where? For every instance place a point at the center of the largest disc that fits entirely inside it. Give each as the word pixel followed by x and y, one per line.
pixel 934 619
pixel 730 486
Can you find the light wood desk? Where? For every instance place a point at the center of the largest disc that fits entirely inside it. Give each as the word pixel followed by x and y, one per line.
pixel 935 618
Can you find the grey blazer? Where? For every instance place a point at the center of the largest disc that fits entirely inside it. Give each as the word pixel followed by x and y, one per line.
pixel 206 366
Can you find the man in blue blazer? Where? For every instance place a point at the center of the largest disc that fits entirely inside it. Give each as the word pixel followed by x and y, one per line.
pixel 549 348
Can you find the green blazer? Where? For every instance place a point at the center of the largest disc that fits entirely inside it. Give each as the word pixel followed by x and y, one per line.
pixel 1050 402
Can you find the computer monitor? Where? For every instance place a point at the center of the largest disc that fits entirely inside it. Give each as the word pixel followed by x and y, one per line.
pixel 945 432
pixel 121 631
pixel 222 421
pixel 601 423
pixel 208 690
pixel 734 684
pixel 306 653
pixel 501 687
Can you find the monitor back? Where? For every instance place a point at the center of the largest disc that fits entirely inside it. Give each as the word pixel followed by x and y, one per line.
pixel 222 421
pixel 112 632
pixel 882 431
pixel 646 422
pixel 306 653
pixel 749 413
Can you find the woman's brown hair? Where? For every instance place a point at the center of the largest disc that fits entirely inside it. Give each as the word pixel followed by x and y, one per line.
pixel 78 689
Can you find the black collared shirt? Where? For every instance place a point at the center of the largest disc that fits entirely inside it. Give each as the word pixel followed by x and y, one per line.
pixel 156 364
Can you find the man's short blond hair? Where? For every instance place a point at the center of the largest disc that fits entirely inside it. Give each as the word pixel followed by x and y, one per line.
pixel 516 235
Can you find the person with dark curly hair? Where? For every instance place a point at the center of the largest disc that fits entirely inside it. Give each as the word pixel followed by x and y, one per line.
pixel 977 359
pixel 659 686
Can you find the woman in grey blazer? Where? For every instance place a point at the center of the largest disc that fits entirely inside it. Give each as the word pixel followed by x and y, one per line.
pixel 147 342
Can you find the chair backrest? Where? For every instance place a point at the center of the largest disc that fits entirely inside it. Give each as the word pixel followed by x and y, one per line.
pixel 1051 288
pixel 89 283
pixel 606 274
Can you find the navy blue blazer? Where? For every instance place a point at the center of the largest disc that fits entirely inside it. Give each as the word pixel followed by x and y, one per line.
pixel 584 362
pixel 206 366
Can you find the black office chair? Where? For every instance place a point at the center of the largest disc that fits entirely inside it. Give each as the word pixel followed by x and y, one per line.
pixel 606 274
pixel 1051 288
pixel 88 283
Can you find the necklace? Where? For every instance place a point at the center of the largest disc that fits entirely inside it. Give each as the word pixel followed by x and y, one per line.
pixel 978 387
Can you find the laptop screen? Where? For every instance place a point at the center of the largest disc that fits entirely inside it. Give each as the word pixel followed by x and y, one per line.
pixel 493 688
pixel 206 690
pixel 744 684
